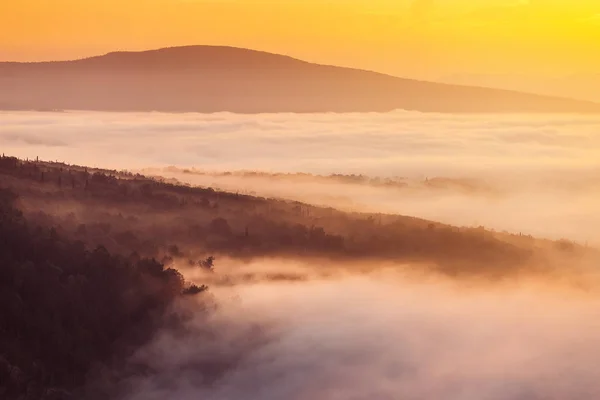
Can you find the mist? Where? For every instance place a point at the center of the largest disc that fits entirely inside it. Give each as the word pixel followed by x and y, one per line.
pixel 563 207
pixel 534 174
pixel 299 328
pixel 399 143
pixel 383 335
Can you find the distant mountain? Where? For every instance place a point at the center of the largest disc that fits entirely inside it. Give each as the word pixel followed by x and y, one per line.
pixel 211 79
pixel 576 86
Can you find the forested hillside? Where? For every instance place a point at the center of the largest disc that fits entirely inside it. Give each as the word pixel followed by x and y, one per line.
pixel 127 213
pixel 66 308
pixel 88 258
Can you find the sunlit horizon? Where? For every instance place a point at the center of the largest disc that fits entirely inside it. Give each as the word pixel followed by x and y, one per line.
pixel 420 38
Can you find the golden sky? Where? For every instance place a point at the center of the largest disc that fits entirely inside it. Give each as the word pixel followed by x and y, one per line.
pixel 416 38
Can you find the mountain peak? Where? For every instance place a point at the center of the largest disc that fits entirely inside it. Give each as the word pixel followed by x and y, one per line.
pixel 193 55
pixel 222 78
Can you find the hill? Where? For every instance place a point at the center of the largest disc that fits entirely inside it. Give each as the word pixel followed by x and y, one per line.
pixel 165 220
pixel 214 79
pixel 92 267
pixel 67 311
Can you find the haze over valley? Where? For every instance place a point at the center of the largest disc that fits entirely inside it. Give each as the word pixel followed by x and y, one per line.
pixel 531 174
pixel 276 200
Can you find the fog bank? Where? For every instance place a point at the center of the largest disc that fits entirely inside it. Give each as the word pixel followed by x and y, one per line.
pixel 385 336
pixel 391 144
pixel 543 170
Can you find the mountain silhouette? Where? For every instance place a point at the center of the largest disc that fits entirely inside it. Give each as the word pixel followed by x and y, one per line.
pixel 583 86
pixel 215 78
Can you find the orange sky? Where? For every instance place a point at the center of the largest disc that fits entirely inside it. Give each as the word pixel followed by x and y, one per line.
pixel 416 38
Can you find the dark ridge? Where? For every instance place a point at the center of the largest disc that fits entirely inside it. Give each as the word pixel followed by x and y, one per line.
pixel 86 256
pixel 132 213
pixel 68 310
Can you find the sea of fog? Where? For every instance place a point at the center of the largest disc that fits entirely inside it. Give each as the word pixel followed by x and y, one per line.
pixel 541 172
pixel 384 335
pixel 381 336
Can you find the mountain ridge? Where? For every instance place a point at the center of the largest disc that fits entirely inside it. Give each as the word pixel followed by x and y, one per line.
pixel 223 78
pixel 581 86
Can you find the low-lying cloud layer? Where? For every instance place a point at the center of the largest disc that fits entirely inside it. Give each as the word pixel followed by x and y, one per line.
pixel 544 168
pixel 399 143
pixel 385 337
pixel 381 335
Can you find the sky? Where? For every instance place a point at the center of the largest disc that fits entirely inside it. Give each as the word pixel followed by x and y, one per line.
pixel 413 38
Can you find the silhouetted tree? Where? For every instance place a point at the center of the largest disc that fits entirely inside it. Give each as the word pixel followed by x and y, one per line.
pixel 208 263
